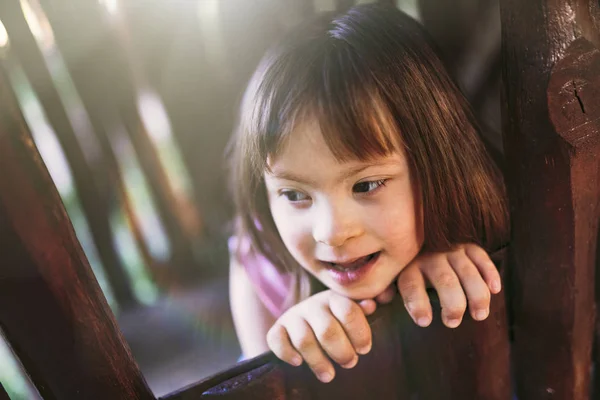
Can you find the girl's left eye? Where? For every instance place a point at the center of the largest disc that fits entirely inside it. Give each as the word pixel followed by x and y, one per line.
pixel 368 186
pixel 294 196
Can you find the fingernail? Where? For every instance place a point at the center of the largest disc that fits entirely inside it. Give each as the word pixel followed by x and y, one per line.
pixel 351 364
pixel 480 315
pixel 296 361
pixel 423 321
pixel 452 323
pixel 496 286
pixel 364 350
pixel 325 377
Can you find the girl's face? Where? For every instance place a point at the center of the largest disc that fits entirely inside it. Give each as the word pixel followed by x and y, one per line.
pixel 353 225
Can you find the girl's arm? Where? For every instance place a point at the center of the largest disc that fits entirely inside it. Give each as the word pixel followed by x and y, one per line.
pixel 251 319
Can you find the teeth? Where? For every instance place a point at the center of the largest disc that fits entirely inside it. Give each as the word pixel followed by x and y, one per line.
pixel 355 264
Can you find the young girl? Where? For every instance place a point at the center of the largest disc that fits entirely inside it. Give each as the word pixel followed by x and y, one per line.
pixel 357 167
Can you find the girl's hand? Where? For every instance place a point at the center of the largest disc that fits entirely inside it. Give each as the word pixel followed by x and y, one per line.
pixel 324 324
pixel 465 275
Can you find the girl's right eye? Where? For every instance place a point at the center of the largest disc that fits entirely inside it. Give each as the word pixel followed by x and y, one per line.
pixel 294 196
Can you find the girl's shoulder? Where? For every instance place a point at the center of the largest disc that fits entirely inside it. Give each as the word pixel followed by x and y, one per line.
pixel 271 285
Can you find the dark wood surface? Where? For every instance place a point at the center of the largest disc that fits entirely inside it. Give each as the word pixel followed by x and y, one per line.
pixel 3 394
pixel 551 133
pixel 52 310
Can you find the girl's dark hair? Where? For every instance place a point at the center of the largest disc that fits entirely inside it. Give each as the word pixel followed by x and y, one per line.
pixel 372 79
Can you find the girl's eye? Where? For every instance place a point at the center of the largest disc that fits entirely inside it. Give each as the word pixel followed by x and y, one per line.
pixel 294 196
pixel 369 186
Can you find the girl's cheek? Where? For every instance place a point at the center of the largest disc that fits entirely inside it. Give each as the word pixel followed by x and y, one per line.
pixel 294 229
pixel 401 229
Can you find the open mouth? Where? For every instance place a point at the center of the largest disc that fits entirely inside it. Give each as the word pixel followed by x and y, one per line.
pixel 354 265
pixel 347 274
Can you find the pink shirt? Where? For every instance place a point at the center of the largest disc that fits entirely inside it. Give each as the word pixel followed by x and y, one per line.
pixel 271 285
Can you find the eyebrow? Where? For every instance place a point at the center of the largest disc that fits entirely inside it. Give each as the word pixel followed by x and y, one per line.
pixel 289 176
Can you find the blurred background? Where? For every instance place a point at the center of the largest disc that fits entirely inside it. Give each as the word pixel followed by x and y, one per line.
pixel 131 104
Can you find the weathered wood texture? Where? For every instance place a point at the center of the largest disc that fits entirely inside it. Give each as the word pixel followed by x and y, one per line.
pixel 552 134
pixel 406 362
pixel 52 310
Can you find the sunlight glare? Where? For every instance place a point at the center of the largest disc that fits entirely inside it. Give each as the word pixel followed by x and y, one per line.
pixel 112 6
pixel 38 24
pixel 3 35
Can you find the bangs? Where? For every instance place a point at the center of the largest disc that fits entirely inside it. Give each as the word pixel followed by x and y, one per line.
pixel 332 85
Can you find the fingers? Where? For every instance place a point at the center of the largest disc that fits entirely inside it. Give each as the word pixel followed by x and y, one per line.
pixel 332 337
pixel 353 321
pixel 304 340
pixel 478 293
pixel 387 295
pixel 486 267
pixel 325 325
pixel 464 275
pixel 449 290
pixel 368 306
pixel 280 344
pixel 411 286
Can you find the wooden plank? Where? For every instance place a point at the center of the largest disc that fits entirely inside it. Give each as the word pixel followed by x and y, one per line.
pixel 94 204
pixel 3 394
pixel 469 362
pixel 551 134
pixel 52 310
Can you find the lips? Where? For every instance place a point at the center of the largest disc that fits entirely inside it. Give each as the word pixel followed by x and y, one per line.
pixel 354 264
pixel 352 272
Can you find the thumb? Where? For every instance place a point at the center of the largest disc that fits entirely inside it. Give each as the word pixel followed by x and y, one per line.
pixel 368 306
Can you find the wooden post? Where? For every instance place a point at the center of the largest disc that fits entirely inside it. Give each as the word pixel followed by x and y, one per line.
pixel 552 144
pixel 52 310
pixel 469 362
pixel 3 394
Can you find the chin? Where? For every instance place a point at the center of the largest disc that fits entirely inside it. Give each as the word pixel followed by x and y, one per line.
pixel 359 293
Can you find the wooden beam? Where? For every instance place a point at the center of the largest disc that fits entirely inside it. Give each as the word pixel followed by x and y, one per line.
pixel 3 394
pixel 52 311
pixel 552 146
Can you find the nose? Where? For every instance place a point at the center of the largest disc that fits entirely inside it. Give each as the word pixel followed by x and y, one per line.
pixel 335 224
